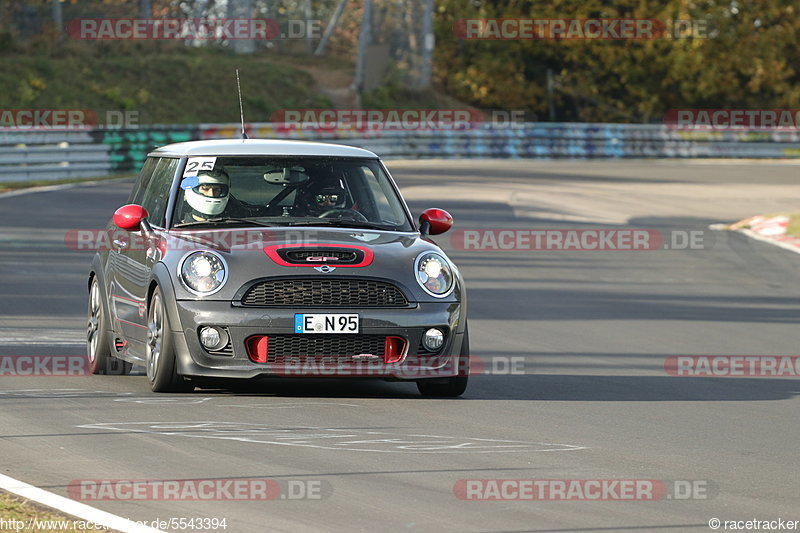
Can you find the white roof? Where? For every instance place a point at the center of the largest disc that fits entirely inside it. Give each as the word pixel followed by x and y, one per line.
pixel 227 147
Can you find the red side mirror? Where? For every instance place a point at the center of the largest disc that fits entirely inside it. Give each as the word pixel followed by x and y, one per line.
pixel 437 221
pixel 129 217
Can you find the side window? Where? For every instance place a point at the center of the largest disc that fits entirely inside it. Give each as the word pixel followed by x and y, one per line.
pixel 157 194
pixel 141 183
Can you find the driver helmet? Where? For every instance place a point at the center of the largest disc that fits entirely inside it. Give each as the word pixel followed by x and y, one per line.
pixel 326 196
pixel 208 196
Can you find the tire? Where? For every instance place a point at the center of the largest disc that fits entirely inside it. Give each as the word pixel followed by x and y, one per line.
pixel 451 387
pixel 160 359
pixel 98 350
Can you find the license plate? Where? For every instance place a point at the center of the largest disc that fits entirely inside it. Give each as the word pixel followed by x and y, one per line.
pixel 325 323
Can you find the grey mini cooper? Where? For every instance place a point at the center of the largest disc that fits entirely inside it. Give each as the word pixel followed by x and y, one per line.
pixel 261 258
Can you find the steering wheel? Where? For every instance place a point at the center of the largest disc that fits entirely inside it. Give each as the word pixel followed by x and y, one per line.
pixel 343 213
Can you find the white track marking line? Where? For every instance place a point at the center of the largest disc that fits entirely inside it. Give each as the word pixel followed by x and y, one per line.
pixel 71 507
pixel 64 344
pixel 45 188
pixel 322 437
pixel 41 336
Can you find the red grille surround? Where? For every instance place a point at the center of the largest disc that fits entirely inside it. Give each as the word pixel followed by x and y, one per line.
pixel 274 253
pixel 275 349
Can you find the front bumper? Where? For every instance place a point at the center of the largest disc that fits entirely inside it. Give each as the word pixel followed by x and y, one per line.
pixel 242 323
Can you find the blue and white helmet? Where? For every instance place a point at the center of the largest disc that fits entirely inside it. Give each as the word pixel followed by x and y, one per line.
pixel 208 201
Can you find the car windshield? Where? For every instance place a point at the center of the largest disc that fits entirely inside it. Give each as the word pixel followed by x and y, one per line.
pixel 288 192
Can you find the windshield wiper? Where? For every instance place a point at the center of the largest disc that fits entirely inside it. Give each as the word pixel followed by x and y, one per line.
pixel 225 220
pixel 345 224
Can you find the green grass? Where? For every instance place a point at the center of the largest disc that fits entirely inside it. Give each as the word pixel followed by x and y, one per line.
pixel 395 96
pixel 168 83
pixel 15 508
pixel 174 86
pixel 5 187
pixel 794 225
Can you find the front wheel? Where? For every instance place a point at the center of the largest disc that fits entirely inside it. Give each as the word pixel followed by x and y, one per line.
pixel 97 348
pixel 160 360
pixel 451 387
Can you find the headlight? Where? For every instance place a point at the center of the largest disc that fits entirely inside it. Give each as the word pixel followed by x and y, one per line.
pixel 434 274
pixel 203 273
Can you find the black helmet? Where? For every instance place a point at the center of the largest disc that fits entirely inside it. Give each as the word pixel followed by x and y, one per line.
pixel 324 196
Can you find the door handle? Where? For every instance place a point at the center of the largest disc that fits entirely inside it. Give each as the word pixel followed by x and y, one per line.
pixel 120 244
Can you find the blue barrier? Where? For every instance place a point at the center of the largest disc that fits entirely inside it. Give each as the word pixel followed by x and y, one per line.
pixel 52 154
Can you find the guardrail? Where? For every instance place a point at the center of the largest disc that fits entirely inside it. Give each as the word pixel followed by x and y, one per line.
pixel 53 155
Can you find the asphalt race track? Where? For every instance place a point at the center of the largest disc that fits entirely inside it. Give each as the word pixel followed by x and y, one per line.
pixel 573 345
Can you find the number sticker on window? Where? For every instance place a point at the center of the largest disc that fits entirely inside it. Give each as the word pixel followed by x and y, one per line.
pixel 196 164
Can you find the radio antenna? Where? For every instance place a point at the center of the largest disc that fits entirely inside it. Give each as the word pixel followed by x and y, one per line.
pixel 241 111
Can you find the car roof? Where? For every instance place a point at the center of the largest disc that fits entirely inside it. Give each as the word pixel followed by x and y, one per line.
pixel 226 147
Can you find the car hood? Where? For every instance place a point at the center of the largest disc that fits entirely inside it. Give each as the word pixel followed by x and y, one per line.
pixel 248 239
pixel 245 251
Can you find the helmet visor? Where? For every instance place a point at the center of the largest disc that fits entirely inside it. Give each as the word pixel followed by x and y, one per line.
pixel 211 190
pixel 327 199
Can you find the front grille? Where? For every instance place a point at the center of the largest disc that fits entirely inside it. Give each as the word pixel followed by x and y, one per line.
pixel 330 346
pixel 324 293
